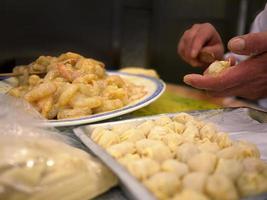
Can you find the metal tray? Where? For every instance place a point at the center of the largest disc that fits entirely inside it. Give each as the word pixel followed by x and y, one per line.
pixel 239 122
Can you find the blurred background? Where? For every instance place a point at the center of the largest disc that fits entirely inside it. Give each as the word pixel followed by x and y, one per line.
pixel 120 33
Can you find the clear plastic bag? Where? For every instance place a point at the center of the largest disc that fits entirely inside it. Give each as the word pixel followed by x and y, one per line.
pixel 39 163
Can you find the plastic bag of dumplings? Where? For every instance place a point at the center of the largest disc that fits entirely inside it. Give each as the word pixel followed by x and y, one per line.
pixel 39 163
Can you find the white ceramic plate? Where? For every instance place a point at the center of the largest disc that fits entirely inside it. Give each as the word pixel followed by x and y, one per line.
pixel 153 86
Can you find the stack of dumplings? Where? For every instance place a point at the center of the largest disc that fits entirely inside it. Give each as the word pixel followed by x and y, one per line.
pixel 184 158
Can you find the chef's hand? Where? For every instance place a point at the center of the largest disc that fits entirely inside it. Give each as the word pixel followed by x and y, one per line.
pixel 247 79
pixel 200 38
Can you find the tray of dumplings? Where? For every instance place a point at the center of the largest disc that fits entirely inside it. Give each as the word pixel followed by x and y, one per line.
pixel 213 154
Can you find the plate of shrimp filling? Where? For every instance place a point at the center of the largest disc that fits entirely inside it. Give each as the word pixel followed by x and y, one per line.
pixel 71 89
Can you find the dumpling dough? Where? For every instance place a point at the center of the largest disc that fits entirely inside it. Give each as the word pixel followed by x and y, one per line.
pixel 251 183
pixel 143 168
pixel 195 181
pixel 220 187
pixel 158 133
pixel 146 126
pixel 182 118
pixel 105 138
pixel 188 194
pixel 163 184
pixel 191 131
pixel 174 166
pixel 208 131
pixel 163 120
pixel 223 140
pixel 173 141
pixel 217 67
pixel 121 149
pixel 210 147
pixel 176 127
pixel 202 162
pixel 229 167
pixel 186 151
pixel 132 135
pixel 254 165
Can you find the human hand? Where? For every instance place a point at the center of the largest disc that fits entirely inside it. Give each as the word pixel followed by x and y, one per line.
pixel 247 79
pixel 200 38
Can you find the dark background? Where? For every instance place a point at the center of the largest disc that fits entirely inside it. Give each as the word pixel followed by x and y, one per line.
pixel 119 32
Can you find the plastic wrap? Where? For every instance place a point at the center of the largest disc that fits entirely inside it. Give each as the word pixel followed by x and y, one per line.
pixel 38 163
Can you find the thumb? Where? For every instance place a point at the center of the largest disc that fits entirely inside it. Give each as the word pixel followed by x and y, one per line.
pixel 249 44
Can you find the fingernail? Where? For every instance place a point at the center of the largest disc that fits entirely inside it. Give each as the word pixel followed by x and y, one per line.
pixel 187 80
pixel 193 53
pixel 237 44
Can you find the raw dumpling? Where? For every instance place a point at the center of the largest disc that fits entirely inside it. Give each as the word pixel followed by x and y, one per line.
pixel 195 181
pixel 223 140
pixel 229 167
pixel 186 151
pixel 182 118
pixel 108 138
pixel 208 131
pixel 121 149
pixel 247 149
pixel 220 187
pixel 132 135
pixel 145 143
pixel 191 131
pixel 146 126
pixel 254 165
pixel 97 133
pixel 188 194
pixel 251 183
pixel 143 168
pixel 157 133
pixel 210 147
pixel 202 162
pixel 176 127
pixel 173 141
pixel 163 120
pixel 163 184
pixel 174 166
pixel 127 159
pixel 120 128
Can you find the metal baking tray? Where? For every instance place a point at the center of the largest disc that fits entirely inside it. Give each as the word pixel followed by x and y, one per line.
pixel 240 123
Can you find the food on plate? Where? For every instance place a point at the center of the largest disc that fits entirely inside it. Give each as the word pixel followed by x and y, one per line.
pixel 183 157
pixel 73 86
pixel 217 67
pixel 141 71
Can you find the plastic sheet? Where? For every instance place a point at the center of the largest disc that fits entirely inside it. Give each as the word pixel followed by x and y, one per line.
pixel 39 163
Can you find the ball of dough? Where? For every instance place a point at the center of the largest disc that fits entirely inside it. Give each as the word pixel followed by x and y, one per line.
pixel 195 181
pixel 220 187
pixel 174 166
pixel 182 118
pixel 164 184
pixel 121 149
pixel 217 67
pixel 202 162
pixel 186 151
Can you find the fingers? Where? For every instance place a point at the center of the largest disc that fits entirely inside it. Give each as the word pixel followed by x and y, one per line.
pixel 195 39
pixel 249 44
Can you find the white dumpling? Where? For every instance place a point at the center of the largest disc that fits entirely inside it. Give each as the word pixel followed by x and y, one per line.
pixel 121 149
pixel 191 132
pixel 143 168
pixel 163 120
pixel 186 151
pixel 132 135
pixel 146 126
pixel 251 183
pixel 220 187
pixel 208 146
pixel 97 133
pixel 208 131
pixel 120 128
pixel 173 141
pixel 223 140
pixel 176 127
pixel 174 166
pixel 182 118
pixel 254 165
pixel 108 139
pixel 128 158
pixel 164 184
pixel 247 149
pixel 195 181
pixel 202 162
pixel 229 167
pixel 144 143
pixel 157 133
pixel 230 152
pixel 188 194
pixel 158 152
pixel 196 123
